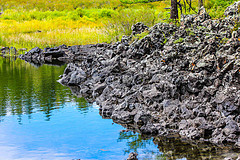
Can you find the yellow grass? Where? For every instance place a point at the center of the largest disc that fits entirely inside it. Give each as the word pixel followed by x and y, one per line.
pixel 31 23
pixel 51 33
pixel 58 4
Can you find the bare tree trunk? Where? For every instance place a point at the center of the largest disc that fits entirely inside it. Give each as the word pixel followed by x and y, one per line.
pixel 174 10
pixel 200 3
pixel 190 5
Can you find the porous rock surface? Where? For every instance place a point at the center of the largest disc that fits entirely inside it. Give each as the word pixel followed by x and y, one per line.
pixel 132 156
pixel 183 80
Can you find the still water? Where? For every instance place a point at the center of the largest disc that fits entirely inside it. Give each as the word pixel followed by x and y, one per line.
pixel 41 119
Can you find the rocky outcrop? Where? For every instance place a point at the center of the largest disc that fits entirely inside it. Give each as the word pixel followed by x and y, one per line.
pixel 38 55
pixel 233 9
pixel 57 55
pixel 138 28
pixel 132 156
pixel 183 80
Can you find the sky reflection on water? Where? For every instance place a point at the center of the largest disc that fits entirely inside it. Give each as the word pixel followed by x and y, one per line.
pixel 41 119
pixel 68 135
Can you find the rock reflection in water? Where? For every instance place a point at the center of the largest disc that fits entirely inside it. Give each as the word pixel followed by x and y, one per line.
pixel 136 142
pixel 40 63
pixel 76 90
pixel 173 148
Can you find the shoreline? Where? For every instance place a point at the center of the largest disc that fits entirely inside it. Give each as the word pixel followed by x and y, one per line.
pixel 175 80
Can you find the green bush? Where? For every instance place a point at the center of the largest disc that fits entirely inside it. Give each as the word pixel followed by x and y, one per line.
pixel 107 13
pixel 80 12
pixel 120 24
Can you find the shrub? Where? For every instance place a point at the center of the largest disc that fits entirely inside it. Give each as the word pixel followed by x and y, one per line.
pixel 107 13
pixel 122 22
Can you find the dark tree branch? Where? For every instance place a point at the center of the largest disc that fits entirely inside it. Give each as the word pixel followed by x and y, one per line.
pixel 180 6
pixel 190 6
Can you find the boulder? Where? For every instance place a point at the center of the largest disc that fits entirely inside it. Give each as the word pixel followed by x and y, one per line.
pixel 233 9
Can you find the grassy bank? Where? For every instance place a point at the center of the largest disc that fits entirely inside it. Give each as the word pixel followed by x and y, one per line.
pixel 27 24
pixel 29 27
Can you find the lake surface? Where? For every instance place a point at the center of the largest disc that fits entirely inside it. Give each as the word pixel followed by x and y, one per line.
pixel 41 119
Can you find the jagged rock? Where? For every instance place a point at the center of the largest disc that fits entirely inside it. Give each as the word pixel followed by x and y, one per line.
pixel 231 128
pixel 202 15
pixel 35 50
pixel 232 9
pixel 132 156
pixel 138 28
pixel 183 80
pixel 5 50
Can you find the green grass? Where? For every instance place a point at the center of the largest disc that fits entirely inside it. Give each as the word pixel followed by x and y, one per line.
pixel 216 8
pixel 78 14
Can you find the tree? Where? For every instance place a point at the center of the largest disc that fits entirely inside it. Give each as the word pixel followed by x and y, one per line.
pixel 174 9
pixel 177 4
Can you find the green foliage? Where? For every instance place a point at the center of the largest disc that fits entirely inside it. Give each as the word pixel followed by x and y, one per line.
pixel 106 20
pixel 23 15
pixel 180 40
pixel 58 5
pixel 107 13
pixel 191 33
pixel 121 23
pixel 216 8
pixel 139 36
pixel 12 14
pixel 213 4
pixel 165 41
pixel 80 12
pixel 2 42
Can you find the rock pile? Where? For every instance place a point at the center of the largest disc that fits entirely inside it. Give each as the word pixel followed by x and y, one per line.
pixel 183 80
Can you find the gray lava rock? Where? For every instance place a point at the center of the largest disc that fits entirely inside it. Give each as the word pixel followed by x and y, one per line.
pixel 138 28
pixel 232 9
pixel 183 80
pixel 132 156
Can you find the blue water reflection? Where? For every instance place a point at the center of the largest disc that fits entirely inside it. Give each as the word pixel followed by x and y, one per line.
pixel 68 135
pixel 41 119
